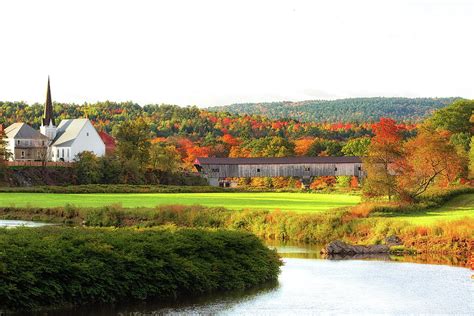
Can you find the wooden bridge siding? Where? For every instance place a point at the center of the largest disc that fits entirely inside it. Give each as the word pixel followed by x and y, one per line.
pixel 225 171
pixel 282 170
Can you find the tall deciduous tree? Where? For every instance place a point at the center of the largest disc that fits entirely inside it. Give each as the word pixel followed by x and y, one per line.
pixel 429 158
pixel 384 151
pixel 303 145
pixel 165 158
pixel 87 167
pixel 133 142
pixel 357 147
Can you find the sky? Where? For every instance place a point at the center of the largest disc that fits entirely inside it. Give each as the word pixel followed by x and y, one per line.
pixel 219 52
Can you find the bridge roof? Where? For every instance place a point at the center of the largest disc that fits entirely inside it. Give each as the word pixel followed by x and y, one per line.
pixel 279 160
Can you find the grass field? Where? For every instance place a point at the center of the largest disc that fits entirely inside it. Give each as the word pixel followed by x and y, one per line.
pixel 459 207
pixel 300 202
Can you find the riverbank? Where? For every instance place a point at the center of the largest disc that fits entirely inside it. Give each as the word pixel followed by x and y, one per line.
pixel 50 267
pixel 444 237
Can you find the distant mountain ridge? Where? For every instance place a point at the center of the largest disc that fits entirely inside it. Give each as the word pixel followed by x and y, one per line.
pixel 343 110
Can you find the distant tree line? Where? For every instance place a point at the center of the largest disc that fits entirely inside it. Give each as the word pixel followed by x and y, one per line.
pixel 343 110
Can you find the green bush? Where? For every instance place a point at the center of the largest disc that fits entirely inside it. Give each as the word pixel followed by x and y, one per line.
pixel 54 266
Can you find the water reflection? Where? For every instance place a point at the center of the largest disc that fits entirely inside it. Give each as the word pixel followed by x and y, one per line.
pixel 325 286
pixel 17 223
pixel 205 304
pixel 312 251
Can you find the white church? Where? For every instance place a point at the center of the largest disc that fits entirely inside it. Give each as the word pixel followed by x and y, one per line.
pixel 53 143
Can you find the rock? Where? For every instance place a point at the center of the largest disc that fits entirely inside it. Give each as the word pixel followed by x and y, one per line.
pixel 339 247
pixel 393 240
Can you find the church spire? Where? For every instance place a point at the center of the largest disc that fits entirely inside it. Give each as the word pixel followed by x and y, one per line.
pixel 48 108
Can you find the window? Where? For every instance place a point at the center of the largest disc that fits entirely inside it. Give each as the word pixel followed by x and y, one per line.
pixel 57 153
pixel 62 153
pixel 87 133
pixel 215 170
pixel 359 168
pixel 22 154
pixel 18 142
pixel 307 169
pixel 68 152
pixel 258 169
pixel 335 169
pixel 43 142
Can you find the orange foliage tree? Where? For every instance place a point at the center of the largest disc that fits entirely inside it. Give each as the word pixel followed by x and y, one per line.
pixel 230 140
pixel 190 151
pixel 302 146
pixel 428 158
pixel 384 152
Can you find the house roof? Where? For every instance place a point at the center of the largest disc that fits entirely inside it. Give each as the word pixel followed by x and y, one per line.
pixel 23 131
pixel 280 160
pixel 68 131
pixel 108 140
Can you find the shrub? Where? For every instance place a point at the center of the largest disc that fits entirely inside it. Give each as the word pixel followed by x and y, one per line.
pixel 53 266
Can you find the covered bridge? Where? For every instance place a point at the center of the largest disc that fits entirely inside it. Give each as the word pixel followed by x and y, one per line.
pixel 216 170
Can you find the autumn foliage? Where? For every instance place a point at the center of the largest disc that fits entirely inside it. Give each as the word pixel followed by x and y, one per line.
pixel 428 158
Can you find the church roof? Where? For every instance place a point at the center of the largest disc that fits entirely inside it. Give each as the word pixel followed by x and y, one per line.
pixel 68 131
pixel 23 131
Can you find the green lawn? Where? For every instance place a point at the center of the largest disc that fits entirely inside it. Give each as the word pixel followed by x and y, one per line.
pixel 300 202
pixel 459 207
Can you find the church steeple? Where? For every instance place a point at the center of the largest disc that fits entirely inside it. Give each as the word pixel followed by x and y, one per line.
pixel 48 126
pixel 48 118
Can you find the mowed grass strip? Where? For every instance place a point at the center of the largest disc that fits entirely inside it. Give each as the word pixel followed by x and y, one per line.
pixel 299 202
pixel 458 208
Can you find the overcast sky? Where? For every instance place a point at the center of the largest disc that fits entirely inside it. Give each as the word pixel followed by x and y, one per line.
pixel 220 52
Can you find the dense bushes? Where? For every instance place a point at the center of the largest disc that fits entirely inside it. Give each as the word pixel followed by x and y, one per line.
pixel 38 176
pixel 316 228
pixel 53 266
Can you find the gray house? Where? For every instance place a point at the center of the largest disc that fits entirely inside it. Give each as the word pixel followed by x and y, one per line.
pixel 26 143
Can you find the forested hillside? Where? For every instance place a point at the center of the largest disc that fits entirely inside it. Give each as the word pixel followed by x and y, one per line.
pixel 343 110
pixel 172 121
pixel 168 138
